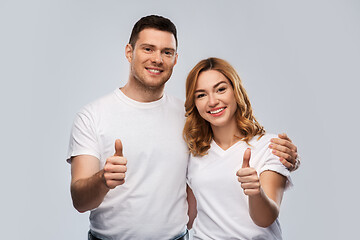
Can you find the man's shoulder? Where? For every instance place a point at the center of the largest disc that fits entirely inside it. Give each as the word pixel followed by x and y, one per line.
pixel 175 101
pixel 99 103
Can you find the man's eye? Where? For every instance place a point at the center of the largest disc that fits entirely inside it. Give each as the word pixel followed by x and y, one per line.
pixel 168 53
pixel 147 49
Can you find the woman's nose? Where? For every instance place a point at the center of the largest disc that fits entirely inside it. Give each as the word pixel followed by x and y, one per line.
pixel 213 101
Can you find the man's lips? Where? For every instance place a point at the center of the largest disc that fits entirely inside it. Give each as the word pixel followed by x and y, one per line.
pixel 154 70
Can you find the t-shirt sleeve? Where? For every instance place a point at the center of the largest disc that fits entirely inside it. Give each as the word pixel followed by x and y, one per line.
pixel 83 137
pixel 272 163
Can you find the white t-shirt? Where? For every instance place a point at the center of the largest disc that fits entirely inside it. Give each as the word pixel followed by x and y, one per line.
pixel 151 204
pixel 223 209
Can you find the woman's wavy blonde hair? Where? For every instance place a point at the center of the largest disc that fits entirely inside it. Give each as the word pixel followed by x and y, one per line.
pixel 197 132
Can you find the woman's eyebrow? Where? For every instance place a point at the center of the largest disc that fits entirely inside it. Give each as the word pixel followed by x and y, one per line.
pixel 215 86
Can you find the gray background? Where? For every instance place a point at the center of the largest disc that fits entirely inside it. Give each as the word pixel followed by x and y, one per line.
pixel 299 61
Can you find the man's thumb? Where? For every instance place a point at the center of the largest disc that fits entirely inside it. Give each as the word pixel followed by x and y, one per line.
pixel 246 158
pixel 118 148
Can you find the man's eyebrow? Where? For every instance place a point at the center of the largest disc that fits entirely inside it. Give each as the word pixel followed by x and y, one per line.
pixel 170 49
pixel 153 46
pixel 146 45
pixel 215 86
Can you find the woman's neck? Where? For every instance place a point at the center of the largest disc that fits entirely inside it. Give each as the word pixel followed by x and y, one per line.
pixel 226 136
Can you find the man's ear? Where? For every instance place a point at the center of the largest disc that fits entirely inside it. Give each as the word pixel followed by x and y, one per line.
pixel 129 52
pixel 176 57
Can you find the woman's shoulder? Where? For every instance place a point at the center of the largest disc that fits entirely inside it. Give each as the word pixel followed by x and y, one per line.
pixel 260 140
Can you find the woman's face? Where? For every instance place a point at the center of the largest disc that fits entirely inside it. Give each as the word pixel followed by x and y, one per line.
pixel 214 98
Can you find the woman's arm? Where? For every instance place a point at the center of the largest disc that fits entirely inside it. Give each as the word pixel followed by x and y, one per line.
pixel 192 211
pixel 265 193
pixel 264 207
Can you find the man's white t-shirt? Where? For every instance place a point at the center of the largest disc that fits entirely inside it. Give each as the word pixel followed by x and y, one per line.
pixel 223 209
pixel 151 204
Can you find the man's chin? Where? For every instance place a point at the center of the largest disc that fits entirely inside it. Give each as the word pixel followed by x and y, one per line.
pixel 155 85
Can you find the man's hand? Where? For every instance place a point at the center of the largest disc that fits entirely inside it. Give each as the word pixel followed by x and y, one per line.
pixel 115 167
pixel 286 151
pixel 248 177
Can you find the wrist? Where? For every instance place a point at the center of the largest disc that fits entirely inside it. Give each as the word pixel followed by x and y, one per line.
pixel 260 195
pixel 297 163
pixel 103 179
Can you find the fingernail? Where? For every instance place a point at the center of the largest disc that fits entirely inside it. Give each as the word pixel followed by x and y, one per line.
pixel 273 151
pixel 270 146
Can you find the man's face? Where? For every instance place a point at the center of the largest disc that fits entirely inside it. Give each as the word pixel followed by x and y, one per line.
pixel 152 59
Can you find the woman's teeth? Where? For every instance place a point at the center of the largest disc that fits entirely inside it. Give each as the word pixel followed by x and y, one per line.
pixel 217 111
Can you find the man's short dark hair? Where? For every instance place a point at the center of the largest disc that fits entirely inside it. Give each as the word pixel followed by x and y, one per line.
pixel 152 21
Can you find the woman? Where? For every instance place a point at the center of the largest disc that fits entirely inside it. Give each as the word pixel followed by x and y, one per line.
pixel 237 182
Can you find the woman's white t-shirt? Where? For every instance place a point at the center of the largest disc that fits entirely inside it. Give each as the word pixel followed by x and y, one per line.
pixel 223 209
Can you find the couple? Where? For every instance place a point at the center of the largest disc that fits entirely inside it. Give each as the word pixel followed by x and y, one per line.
pixel 139 189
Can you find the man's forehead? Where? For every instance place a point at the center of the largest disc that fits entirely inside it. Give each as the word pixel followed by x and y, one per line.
pixel 156 37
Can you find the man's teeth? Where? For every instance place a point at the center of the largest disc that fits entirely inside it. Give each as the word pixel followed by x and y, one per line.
pixel 154 70
pixel 217 111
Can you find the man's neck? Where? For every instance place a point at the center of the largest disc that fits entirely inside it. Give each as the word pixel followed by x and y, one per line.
pixel 141 94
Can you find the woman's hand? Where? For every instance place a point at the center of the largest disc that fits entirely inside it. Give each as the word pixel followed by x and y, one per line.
pixel 248 176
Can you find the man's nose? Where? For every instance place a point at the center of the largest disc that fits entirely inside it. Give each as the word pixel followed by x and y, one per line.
pixel 157 57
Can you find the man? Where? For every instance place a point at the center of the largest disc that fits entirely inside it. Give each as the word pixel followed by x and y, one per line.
pixel 128 158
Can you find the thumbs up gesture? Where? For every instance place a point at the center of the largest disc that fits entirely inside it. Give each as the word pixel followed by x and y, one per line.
pixel 248 177
pixel 115 167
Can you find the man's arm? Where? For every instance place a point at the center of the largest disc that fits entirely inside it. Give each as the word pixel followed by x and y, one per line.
pixel 192 210
pixel 88 187
pixel 286 151
pixel 89 184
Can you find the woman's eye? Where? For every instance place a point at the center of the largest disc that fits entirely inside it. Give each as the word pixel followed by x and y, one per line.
pixel 200 95
pixel 222 89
